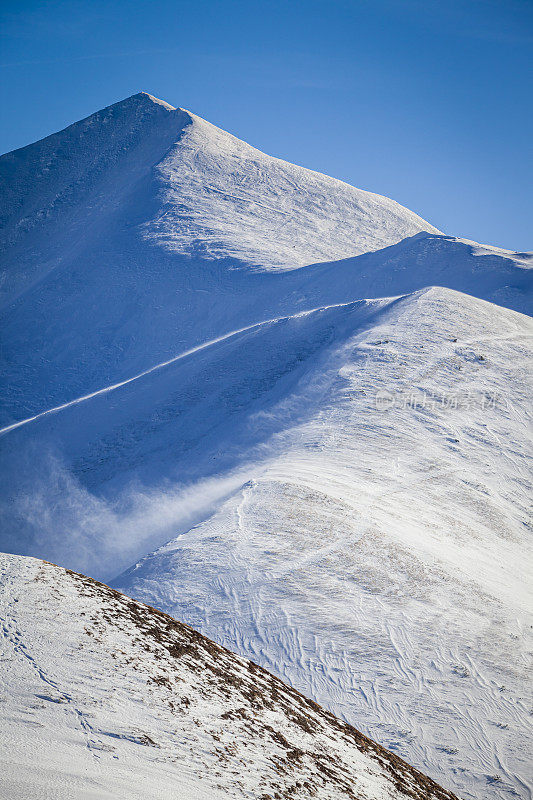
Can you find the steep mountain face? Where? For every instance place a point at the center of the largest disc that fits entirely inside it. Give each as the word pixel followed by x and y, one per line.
pixel 143 230
pixel 59 194
pixel 103 697
pixel 222 198
pixel 330 485
pixel 129 221
pixel 196 189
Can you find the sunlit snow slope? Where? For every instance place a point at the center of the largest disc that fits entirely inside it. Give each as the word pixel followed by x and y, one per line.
pixel 200 190
pixel 332 485
pixel 103 697
pixel 357 478
pixel 378 559
pixel 143 230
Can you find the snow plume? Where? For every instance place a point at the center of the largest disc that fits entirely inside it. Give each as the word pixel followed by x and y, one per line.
pixel 57 517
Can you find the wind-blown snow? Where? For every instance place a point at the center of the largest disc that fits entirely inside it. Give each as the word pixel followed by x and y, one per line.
pixel 105 698
pixel 372 558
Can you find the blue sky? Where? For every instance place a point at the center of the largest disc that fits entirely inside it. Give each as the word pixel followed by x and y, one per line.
pixel 426 102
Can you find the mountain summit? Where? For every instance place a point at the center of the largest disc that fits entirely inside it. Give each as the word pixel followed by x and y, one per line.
pixel 191 188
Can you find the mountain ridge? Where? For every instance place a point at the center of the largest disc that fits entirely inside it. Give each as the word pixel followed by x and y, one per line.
pixel 155 217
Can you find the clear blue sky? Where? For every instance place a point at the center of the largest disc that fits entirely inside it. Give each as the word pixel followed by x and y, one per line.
pixel 425 101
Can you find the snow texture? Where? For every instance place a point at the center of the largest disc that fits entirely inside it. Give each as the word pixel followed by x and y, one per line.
pixel 103 697
pixel 378 558
pixel 333 486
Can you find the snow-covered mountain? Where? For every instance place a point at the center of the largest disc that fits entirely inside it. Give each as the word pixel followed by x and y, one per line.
pixel 331 485
pixel 104 697
pixel 196 189
pixel 379 559
pixel 143 230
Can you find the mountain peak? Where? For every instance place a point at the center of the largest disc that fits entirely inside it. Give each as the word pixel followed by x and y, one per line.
pixel 141 102
pixel 146 97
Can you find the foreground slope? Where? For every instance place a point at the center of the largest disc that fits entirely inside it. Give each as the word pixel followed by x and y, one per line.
pixel 103 697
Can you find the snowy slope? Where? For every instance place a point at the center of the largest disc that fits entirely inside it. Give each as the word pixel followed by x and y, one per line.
pixel 333 486
pixel 423 260
pixel 143 230
pixel 103 697
pixel 197 421
pixel 375 559
pixel 91 327
pixel 223 198
pixel 130 220
pixel 379 559
pixel 196 189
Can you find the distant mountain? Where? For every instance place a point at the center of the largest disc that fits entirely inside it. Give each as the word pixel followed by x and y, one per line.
pixel 193 188
pixel 105 697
